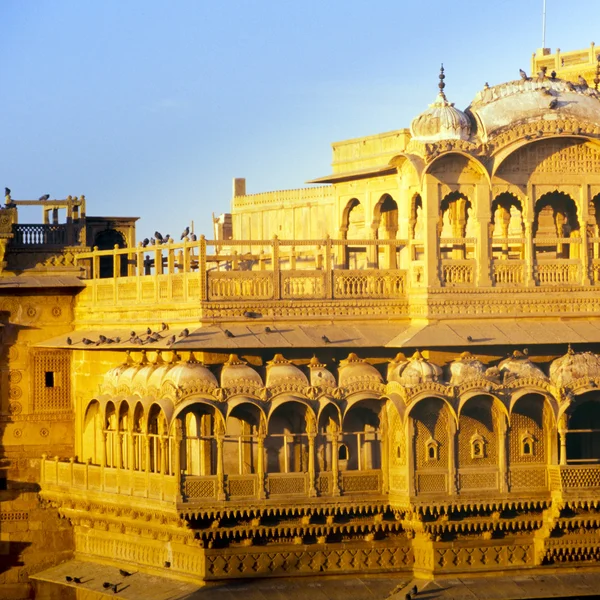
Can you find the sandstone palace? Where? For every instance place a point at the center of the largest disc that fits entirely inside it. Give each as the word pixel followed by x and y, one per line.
pixel 396 369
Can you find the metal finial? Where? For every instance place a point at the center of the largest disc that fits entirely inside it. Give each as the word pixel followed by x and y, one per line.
pixel 441 84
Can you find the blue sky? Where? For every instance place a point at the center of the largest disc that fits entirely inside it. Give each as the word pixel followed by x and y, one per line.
pixel 151 108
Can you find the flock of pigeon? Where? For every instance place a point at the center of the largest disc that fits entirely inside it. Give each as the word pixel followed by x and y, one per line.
pixel 160 239
pixel 41 198
pixel 106 585
pixel 149 337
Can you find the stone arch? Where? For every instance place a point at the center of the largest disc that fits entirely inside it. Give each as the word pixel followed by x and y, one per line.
pixel 328 424
pixel 504 219
pixel 416 218
pixel 240 444
pixel 583 429
pixel 556 216
pixel 529 432
pixel 110 428
pixel 361 433
pixel 286 444
pixel 353 204
pixel 92 433
pixel 385 217
pixel 467 168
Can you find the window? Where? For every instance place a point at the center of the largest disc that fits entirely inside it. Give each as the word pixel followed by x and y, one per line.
pixel 343 452
pixel 527 444
pixel 49 379
pixel 477 446
pixel 432 449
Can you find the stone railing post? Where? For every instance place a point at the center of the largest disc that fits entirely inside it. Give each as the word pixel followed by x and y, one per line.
pixel 176 458
pixel 312 491
pixel 529 254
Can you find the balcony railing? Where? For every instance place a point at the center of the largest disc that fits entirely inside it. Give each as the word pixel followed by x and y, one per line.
pixel 41 235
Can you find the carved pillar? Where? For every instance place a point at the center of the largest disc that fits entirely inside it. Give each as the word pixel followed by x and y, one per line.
pixel 562 432
pixel 311 430
pixel 130 456
pixel 452 475
pixel 328 269
pixel 584 254
pixel 147 451
pixel 104 453
pixel 385 453
pixel 373 251
pixel 431 239
pixel 410 457
pixel 482 249
pixel 119 436
pixel 260 466
pixel 502 466
pixel 163 455
pixel 176 458
pixel 219 435
pixel 528 278
pixel 335 459
pixel 276 269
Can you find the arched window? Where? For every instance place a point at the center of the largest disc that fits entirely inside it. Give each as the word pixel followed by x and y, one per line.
pixel 477 446
pixel 343 452
pixel 527 444
pixel 431 449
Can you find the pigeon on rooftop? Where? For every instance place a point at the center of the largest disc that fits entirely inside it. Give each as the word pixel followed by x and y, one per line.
pixel 158 236
pixel 523 75
pixel 145 242
pixel 45 197
pixel 194 237
pixel 7 191
pixel 582 82
pixel 171 340
pixel 184 333
pixel 185 233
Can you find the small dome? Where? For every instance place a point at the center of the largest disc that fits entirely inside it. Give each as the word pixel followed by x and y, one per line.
pixel 465 368
pixel 418 370
pixel 573 366
pixel 127 376
pixel 281 371
pixel 441 121
pixel 142 377
pixel 155 380
pixel 112 376
pixel 319 375
pixel 186 373
pixel 518 366
pixel 237 373
pixel 356 369
pixel 396 366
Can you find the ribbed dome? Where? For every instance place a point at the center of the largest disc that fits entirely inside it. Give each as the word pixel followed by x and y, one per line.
pixel 281 371
pixel 418 370
pixel 185 373
pixel 465 368
pixel 236 372
pixel 518 366
pixel 573 366
pixel 319 375
pixel 355 369
pixel 441 121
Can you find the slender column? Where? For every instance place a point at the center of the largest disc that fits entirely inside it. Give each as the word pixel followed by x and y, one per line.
pixel 202 268
pixel 502 466
pixel 410 457
pixel 220 474
pixel 431 243
pixel 335 460
pixel 240 456
pixel 328 269
pixel 104 454
pixel 385 453
pixel 176 458
pixel 312 491
pixel 119 437
pixel 130 455
pixel 286 456
pixel 482 248
pixel 528 276
pixel 163 455
pixel 359 452
pixel 147 448
pixel 451 456
pixel 116 262
pixel 562 433
pixel 584 256
pixel 260 466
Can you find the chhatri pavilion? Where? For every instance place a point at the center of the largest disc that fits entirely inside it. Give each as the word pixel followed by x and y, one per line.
pixel 394 370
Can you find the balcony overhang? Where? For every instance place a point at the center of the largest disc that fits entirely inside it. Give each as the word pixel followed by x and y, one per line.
pixel 266 334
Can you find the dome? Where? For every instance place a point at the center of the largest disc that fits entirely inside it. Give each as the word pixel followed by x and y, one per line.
pixel 319 375
pixel 155 380
pixel 355 369
pixel 441 121
pixel 418 370
pixel 534 99
pixel 112 376
pixel 396 366
pixel 282 371
pixel 518 366
pixel 237 373
pixel 466 367
pixel 573 366
pixel 186 373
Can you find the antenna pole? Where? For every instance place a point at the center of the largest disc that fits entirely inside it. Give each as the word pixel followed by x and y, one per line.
pixel 544 25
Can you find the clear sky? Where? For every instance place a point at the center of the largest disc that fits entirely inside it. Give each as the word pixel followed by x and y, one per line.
pixel 150 108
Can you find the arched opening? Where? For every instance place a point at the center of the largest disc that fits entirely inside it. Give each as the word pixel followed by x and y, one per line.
pixel 110 431
pixel 361 433
pixel 385 224
pixel 287 441
pixel 556 227
pixel 583 434
pixel 159 455
pixel 594 212
pixel 507 227
pixel 137 438
pixel 328 426
pixel 123 437
pixel 528 430
pixel 107 240
pixel 354 229
pixel 240 444
pixel 198 451
pixel 92 434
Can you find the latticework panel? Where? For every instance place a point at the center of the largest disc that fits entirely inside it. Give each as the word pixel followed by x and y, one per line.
pixel 51 380
pixel 484 480
pixel 527 418
pixel 479 417
pixel 287 485
pixel 200 488
pixel 397 439
pixel 431 482
pixel 528 478
pixel 241 487
pixel 360 483
pixel 431 422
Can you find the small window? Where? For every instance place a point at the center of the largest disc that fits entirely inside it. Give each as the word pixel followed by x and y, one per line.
pixel 49 379
pixel 527 444
pixel 343 452
pixel 398 451
pixel 526 448
pixel 432 449
pixel 431 452
pixel 478 449
pixel 477 446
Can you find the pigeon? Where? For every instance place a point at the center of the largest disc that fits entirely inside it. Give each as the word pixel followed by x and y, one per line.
pixel 137 340
pixel 44 197
pixel 69 341
pixel 171 340
pixel 7 191
pixel 582 82
pixel 325 339
pixel 148 331
pixel 194 237
pixel 76 579
pixel 102 338
pixel 469 338
pixel 164 327
pixel 553 75
pixel 117 340
pixel 158 236
pixel 154 337
pixel 166 238
pixel 184 333
pixel 152 242
pixel 86 341
pixel 228 333
pixel 268 330
pixel 185 233
pixel 106 585
pixel 523 75
pixel 415 590
pixel 124 573
pixel 145 242
pixel 132 334
pixel 69 578
pixel 553 104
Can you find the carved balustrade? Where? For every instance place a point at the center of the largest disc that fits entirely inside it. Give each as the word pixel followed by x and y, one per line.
pixel 558 271
pixel 457 272
pixel 42 235
pixel 508 272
